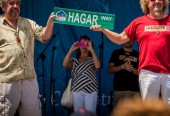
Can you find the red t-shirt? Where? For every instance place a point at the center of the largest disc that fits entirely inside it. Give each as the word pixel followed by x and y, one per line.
pixel 153 38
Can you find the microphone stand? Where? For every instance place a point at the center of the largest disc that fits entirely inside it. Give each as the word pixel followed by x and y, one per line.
pixel 54 35
pixel 99 81
pixel 44 93
pixel 110 106
pixel 42 56
pixel 52 82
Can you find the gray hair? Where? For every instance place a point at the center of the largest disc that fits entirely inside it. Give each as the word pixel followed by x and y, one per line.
pixel 3 2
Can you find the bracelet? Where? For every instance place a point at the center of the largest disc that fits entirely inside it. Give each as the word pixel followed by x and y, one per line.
pixel 123 67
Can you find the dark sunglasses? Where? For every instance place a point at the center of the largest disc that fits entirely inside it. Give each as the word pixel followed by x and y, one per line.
pixel 155 0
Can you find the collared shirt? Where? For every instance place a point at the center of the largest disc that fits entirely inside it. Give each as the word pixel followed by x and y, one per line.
pixel 17 58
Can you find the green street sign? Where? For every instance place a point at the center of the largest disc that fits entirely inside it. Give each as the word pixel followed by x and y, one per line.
pixel 83 18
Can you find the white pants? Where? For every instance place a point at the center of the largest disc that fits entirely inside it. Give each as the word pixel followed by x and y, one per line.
pixel 22 95
pixel 152 84
pixel 84 100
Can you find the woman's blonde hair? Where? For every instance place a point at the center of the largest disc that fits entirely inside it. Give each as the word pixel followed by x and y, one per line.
pixel 145 10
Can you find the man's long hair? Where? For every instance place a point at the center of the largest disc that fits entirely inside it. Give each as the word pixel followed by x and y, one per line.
pixel 145 10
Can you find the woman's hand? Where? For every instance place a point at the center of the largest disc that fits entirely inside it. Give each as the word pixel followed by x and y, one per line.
pixel 89 46
pixel 74 46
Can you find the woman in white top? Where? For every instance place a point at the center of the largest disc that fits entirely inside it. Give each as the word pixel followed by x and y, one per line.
pixel 83 66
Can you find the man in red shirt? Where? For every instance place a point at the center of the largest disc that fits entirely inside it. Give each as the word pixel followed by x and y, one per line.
pixel 152 32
